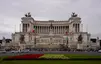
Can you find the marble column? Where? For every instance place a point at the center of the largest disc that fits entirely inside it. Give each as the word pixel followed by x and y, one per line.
pixel 27 27
pixel 39 29
pixel 57 29
pixel 60 29
pixel 78 27
pixel 47 29
pixel 36 29
pixel 54 29
pixel 75 27
pixel 24 27
pixel 63 29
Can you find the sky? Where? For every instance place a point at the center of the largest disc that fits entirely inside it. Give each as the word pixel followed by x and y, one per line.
pixel 11 12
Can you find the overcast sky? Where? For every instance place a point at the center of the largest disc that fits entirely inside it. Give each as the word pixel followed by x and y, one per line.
pixel 11 12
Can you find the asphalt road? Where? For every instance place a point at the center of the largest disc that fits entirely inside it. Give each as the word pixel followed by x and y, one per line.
pixel 52 52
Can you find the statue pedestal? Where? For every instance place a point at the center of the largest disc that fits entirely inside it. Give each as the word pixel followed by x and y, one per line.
pixel 79 46
pixel 51 32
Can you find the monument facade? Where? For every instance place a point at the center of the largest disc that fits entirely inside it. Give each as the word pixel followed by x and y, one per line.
pixel 51 34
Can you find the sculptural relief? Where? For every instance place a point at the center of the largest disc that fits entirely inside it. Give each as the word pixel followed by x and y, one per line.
pixel 80 39
pixel 22 39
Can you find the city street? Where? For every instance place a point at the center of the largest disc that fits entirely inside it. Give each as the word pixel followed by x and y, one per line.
pixel 50 52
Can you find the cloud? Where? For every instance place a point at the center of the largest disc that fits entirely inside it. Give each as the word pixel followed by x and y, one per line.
pixel 11 12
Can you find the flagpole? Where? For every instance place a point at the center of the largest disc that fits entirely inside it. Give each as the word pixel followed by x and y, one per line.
pixel 81 27
pixel 87 28
pixel 20 28
pixel 15 28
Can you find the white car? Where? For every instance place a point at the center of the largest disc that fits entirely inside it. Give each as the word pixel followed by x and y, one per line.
pixel 3 51
pixel 15 51
pixel 24 51
pixel 99 51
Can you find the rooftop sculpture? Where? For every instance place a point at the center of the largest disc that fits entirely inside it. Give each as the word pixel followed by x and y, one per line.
pixel 28 14
pixel 73 14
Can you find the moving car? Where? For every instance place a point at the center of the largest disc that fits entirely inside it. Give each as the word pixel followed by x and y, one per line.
pixel 14 51
pixel 24 51
pixel 99 51
pixel 2 51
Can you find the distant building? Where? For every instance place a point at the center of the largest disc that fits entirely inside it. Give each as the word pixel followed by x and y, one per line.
pixel 7 41
pixel 94 43
pixel 4 42
pixel 100 44
pixel 0 41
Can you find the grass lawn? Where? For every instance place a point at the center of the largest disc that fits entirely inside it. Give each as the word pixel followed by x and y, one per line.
pixel 57 61
pixel 49 62
pixel 82 56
